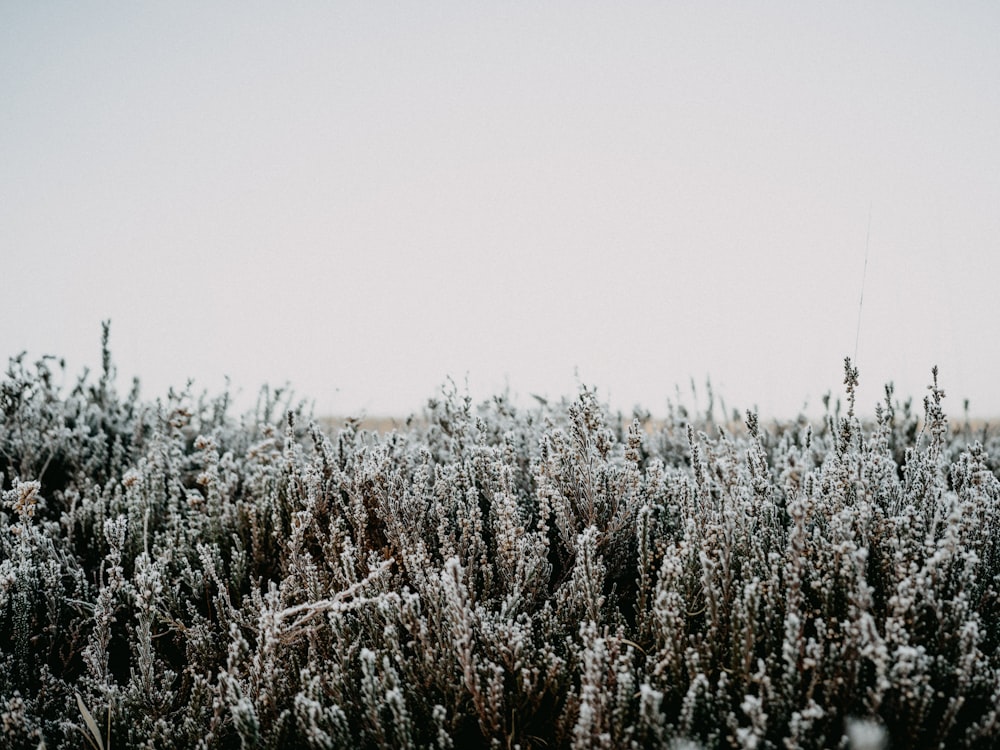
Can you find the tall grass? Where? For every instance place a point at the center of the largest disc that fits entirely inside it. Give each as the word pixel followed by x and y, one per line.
pixel 490 576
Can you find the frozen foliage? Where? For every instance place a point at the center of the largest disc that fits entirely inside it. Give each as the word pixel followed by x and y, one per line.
pixel 489 577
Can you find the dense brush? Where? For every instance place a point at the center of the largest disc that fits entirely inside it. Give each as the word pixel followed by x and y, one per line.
pixel 172 577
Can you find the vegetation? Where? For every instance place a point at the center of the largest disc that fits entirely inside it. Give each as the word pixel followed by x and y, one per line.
pixel 175 577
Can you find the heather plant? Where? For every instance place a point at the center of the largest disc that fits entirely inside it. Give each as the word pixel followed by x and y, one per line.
pixel 174 576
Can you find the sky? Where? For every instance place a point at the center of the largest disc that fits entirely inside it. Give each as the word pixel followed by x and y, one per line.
pixel 364 199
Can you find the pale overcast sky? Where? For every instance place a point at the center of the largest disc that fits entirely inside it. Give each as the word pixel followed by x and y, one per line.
pixel 364 198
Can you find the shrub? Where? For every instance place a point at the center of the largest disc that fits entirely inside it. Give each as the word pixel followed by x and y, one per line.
pixel 174 577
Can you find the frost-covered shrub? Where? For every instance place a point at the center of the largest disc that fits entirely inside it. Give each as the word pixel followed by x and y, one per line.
pixel 488 576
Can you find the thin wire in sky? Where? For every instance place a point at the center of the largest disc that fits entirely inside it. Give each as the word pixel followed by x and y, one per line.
pixel 864 275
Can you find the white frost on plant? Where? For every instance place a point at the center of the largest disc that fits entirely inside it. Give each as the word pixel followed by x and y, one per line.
pixel 866 734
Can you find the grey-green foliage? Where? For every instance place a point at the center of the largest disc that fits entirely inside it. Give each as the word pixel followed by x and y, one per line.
pixel 491 576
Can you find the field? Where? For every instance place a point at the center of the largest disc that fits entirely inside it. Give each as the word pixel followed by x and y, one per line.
pixel 176 576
